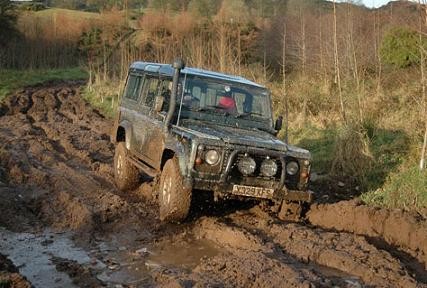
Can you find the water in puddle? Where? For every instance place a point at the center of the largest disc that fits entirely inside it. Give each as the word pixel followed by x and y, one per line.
pixel 181 254
pixel 115 264
pixel 132 265
pixel 342 278
pixel 32 254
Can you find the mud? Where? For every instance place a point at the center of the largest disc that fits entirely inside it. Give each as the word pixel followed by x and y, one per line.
pixel 402 230
pixel 64 224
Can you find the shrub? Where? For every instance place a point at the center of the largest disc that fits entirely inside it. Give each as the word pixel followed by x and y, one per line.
pixel 352 155
pixel 400 47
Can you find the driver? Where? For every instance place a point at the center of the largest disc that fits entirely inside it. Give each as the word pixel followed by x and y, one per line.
pixel 190 101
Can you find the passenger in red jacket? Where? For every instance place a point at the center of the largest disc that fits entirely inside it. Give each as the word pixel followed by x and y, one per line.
pixel 228 103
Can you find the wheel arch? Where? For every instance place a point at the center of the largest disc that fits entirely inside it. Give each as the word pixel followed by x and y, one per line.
pixel 124 133
pixel 176 148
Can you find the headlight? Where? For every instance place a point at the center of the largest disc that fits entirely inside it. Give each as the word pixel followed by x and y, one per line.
pixel 212 157
pixel 268 167
pixel 292 168
pixel 246 165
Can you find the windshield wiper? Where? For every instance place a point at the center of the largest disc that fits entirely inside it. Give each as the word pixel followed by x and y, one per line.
pixel 212 108
pixel 246 114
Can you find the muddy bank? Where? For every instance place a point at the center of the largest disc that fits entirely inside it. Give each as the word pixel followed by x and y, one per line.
pixel 348 253
pixel 397 228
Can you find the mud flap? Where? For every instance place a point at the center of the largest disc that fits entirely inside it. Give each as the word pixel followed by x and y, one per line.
pixel 290 211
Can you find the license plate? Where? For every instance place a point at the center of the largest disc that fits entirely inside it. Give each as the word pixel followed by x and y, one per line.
pixel 251 191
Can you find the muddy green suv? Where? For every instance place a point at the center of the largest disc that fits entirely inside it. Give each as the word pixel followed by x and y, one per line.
pixel 203 130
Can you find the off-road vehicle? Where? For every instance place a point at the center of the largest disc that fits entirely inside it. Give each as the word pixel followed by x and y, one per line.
pixel 203 130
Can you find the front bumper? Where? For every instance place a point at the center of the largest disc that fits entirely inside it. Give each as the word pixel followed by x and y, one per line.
pixel 295 195
pixel 279 194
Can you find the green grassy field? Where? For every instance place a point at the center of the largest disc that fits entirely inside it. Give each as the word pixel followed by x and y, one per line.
pixel 11 80
pixel 75 14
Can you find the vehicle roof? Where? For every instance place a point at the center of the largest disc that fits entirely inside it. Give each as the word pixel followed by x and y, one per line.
pixel 167 70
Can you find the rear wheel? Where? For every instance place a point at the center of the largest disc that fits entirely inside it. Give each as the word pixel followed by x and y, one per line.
pixel 174 196
pixel 126 174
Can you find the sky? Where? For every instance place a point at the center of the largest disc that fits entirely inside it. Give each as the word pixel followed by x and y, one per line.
pixel 372 3
pixel 375 3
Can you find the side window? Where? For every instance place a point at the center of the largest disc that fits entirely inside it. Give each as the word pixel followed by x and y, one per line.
pixel 133 87
pixel 166 91
pixel 151 90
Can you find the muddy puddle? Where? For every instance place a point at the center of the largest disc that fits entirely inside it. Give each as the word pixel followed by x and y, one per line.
pixel 133 264
pixel 186 254
pixel 38 256
pixel 32 254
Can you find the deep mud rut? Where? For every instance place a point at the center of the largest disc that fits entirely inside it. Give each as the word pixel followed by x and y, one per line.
pixel 64 224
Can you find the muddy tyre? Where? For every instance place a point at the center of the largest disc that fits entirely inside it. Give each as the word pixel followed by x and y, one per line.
pixel 126 175
pixel 174 196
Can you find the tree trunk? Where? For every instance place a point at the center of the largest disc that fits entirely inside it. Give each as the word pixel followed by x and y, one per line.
pixel 337 67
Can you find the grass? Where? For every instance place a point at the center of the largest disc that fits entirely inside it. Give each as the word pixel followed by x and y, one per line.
pixel 320 143
pixel 75 14
pixel 366 154
pixel 104 95
pixel 11 80
pixel 405 189
pixel 106 105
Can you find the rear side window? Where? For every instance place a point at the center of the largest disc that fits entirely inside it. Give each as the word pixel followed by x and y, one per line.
pixel 152 86
pixel 133 87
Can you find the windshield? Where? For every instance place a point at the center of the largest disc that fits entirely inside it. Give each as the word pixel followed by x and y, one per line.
pixel 224 98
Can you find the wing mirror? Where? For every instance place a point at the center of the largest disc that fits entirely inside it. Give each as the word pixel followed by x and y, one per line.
pixel 158 103
pixel 279 123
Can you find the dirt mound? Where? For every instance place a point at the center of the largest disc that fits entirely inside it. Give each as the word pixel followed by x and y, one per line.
pixel 396 227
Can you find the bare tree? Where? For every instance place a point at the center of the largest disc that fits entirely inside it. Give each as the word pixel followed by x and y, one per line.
pixel 423 82
pixel 337 66
pixel 284 91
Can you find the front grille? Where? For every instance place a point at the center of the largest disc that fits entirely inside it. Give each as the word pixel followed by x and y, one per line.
pixel 257 174
pixel 226 155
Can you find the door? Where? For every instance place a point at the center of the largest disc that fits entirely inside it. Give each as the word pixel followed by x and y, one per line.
pixel 147 122
pixel 129 105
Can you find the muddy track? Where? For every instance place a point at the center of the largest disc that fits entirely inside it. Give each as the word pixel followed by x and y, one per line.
pixel 56 188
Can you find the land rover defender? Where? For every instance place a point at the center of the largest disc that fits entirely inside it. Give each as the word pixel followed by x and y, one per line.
pixel 195 130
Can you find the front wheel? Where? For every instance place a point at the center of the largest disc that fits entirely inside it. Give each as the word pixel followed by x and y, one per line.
pixel 174 196
pixel 126 175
